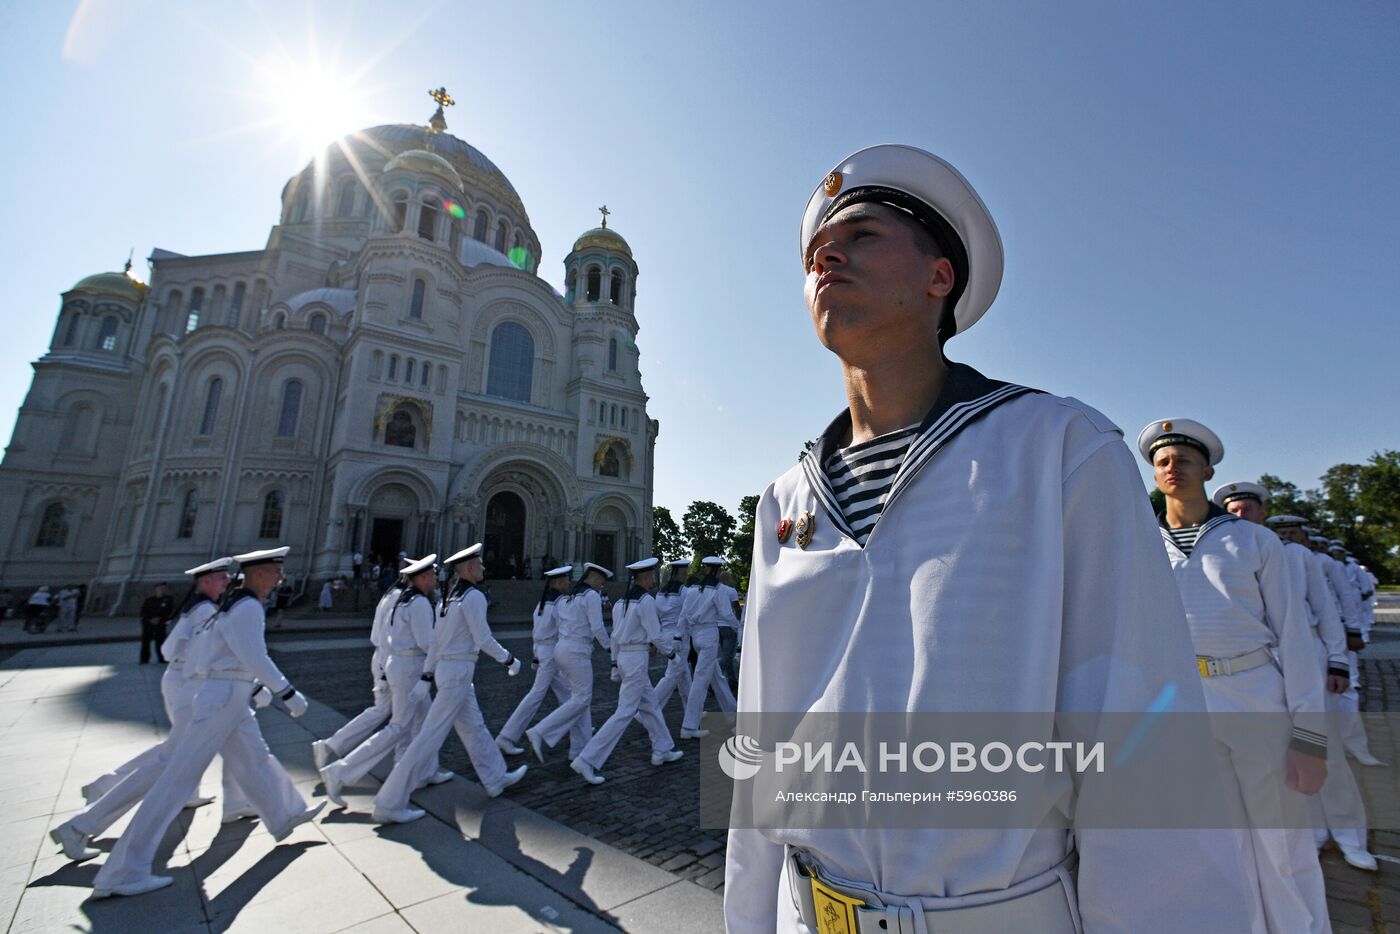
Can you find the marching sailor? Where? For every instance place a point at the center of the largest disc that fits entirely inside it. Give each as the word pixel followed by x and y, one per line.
pixel 113 794
pixel 703 610
pixel 1349 595
pixel 1338 807
pixel 462 634
pixel 669 600
pixel 994 553
pixel 231 666
pixel 544 634
pixel 1256 653
pixel 409 636
pixel 580 617
pixel 635 638
pixel 372 718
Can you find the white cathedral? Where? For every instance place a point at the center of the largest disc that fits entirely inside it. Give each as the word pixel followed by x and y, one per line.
pixel 389 373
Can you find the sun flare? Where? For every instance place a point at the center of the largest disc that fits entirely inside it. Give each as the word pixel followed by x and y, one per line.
pixel 311 102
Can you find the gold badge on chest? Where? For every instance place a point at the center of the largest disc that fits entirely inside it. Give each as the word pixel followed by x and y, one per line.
pixel 806 525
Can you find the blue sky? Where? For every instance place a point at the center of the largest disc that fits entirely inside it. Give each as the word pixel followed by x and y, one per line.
pixel 1200 201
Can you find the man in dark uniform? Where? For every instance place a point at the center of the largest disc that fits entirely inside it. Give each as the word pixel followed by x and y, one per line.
pixel 155 613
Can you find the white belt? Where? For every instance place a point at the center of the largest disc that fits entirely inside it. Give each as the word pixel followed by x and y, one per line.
pixel 570 639
pixel 458 656
pixel 223 676
pixel 1216 667
pixel 550 641
pixel 634 647
pixel 408 653
pixel 1038 904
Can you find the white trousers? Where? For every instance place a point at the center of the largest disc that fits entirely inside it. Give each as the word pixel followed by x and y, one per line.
pixel 406 716
pixel 1348 705
pixel 677 676
pixel 221 723
pixel 635 698
pixel 574 717
pixel 1338 809
pixel 1285 857
pixel 548 678
pixel 454 707
pixel 707 677
pixel 364 725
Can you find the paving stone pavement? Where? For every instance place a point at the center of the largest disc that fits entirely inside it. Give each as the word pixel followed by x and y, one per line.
pixel 648 812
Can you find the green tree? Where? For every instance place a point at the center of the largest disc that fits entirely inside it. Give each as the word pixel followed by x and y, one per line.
pixel 1158 500
pixel 1286 499
pixel 741 545
pixel 708 527
pixel 666 540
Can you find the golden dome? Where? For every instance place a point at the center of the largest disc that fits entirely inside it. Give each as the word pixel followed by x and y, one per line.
pixel 112 283
pixel 604 238
pixel 429 163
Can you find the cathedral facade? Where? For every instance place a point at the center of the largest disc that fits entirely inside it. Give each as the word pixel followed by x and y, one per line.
pixel 389 373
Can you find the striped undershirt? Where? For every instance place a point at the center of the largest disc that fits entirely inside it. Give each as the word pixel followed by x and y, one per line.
pixel 861 476
pixel 1185 538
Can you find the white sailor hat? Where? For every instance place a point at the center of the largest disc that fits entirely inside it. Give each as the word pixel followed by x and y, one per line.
pixel 466 554
pixel 218 564
pixel 937 196
pixel 1185 431
pixel 646 564
pixel 1319 539
pixel 679 562
pixel 1286 522
pixel 561 571
pixel 590 566
pixel 269 556
pixel 712 562
pixel 1227 493
pixel 419 566
pixel 1336 543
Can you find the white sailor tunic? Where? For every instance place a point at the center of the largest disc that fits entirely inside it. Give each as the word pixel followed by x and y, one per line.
pixel 1015 568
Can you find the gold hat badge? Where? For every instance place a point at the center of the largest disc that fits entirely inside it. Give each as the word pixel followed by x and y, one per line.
pixel 1166 426
pixel 832 184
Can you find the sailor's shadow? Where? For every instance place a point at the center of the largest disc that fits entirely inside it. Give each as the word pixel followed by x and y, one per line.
pixel 223 909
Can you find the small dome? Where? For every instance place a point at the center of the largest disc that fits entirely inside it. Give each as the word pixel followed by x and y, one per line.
pixel 342 300
pixel 604 238
pixel 112 283
pixel 430 163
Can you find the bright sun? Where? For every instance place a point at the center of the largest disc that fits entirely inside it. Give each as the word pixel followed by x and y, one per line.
pixel 311 102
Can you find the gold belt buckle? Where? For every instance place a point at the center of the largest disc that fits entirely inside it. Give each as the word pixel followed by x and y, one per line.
pixel 836 913
pixel 1203 666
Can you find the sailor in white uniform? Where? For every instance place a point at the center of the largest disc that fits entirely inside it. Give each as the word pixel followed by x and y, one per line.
pixel 636 636
pixel 409 636
pixel 1008 562
pixel 462 635
pixel 669 600
pixel 1350 596
pixel 703 611
pixel 1256 653
pixel 544 634
pixel 580 617
pixel 1338 809
pixel 113 794
pixel 229 660
pixel 372 718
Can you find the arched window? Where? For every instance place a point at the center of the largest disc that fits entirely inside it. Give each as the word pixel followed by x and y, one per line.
pixel 595 283
pixel 346 207
pixel 612 415
pixel 53 527
pixel 624 418
pixel 427 374
pixel 107 335
pixel 479 226
pixel 196 306
pixel 501 237
pixel 400 211
pixel 291 409
pixel 279 321
pixel 592 410
pixel 415 304
pixel 615 288
pixel 611 465
pixel 77 429
pixel 393 366
pixel 211 406
pixel 401 432
pixel 612 354
pixel 427 221
pixel 274 504
pixel 512 362
pixel 408 371
pixel 316 323
pixel 71 336
pixel 189 511
pixel 235 305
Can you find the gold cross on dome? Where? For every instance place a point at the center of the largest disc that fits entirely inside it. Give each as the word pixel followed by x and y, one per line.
pixel 605 212
pixel 442 97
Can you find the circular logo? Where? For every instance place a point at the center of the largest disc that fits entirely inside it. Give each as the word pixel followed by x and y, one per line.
pixel 740 757
pixel 832 184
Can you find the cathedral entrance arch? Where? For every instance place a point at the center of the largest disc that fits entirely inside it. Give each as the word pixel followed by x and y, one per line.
pixel 504 540
pixel 609 528
pixel 393 514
